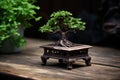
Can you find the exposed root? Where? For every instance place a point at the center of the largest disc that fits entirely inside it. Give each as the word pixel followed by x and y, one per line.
pixel 64 43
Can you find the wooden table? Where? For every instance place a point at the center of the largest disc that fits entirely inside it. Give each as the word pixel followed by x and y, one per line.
pixel 66 54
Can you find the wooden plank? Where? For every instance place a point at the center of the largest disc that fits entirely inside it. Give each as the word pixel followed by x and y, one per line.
pixel 105 64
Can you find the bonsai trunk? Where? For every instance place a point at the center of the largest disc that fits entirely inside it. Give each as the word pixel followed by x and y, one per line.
pixel 63 41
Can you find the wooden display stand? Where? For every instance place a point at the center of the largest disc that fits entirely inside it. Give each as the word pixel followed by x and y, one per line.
pixel 66 54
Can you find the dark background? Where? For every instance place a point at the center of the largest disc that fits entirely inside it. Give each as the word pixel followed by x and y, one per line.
pixel 49 6
pixel 90 12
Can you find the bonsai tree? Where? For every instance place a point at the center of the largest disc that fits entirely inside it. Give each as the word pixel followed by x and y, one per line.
pixel 13 14
pixel 62 22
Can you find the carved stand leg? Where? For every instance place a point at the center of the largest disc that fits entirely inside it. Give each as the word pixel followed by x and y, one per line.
pixel 44 60
pixel 60 60
pixel 69 65
pixel 87 61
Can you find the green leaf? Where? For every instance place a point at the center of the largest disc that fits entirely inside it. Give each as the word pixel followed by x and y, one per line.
pixel 38 18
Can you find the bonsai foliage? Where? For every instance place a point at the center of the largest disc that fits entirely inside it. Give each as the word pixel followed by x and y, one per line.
pixel 62 22
pixel 14 13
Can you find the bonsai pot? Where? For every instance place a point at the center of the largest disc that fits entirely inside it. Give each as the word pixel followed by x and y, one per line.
pixel 7 47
